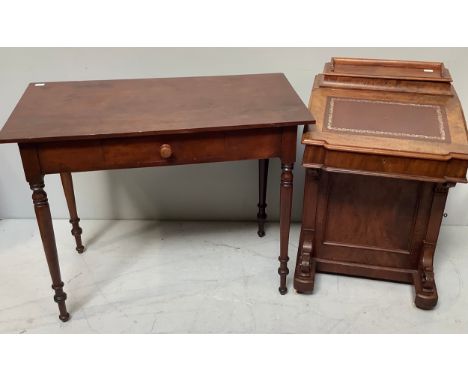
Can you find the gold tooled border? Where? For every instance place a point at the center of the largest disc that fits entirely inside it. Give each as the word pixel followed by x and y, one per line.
pixel 441 118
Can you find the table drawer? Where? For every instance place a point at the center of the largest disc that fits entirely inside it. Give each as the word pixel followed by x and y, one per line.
pixel 159 150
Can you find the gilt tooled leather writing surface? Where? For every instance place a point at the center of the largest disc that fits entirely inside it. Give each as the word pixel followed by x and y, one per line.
pixel 387 119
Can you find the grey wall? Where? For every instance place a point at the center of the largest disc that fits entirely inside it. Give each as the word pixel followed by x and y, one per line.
pixel 226 191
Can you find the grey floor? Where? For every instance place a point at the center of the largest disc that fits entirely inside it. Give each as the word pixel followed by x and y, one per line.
pixel 199 277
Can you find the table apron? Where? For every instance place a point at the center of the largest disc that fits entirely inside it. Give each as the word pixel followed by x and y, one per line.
pixel 132 152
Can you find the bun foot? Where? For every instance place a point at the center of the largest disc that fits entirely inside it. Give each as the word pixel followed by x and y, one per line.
pixel 283 290
pixel 304 287
pixel 426 290
pixel 425 302
pixel 261 233
pixel 64 317
pixel 80 249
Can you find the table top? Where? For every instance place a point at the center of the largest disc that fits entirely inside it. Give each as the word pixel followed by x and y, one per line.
pixel 371 110
pixel 78 110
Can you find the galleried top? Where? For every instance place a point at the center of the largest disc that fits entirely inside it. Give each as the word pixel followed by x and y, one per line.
pixel 401 108
pixel 409 70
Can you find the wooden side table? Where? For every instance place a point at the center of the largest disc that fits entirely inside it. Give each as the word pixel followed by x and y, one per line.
pixel 389 142
pixel 65 127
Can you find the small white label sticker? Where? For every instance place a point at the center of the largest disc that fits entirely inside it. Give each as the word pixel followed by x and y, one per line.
pixel 42 84
pixel 429 70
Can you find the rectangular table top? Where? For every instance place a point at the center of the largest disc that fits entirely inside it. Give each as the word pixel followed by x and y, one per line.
pixel 136 107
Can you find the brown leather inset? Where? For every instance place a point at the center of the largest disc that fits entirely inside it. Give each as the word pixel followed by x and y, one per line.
pixel 387 118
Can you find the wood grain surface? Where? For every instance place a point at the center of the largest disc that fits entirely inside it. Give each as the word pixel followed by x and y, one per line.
pixel 98 109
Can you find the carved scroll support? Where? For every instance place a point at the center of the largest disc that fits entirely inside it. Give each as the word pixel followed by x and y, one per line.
pixel 304 275
pixel 424 280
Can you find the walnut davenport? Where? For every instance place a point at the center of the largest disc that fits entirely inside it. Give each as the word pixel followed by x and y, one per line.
pixel 389 142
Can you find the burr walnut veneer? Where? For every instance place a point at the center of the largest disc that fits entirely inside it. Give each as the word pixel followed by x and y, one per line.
pixel 65 127
pixel 389 141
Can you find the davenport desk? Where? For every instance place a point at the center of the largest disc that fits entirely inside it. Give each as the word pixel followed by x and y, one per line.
pixel 389 141
pixel 66 127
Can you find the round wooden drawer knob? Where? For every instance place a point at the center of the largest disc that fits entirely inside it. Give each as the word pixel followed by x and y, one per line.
pixel 166 151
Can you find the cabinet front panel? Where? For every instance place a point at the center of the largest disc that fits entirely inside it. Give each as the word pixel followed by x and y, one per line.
pixel 371 220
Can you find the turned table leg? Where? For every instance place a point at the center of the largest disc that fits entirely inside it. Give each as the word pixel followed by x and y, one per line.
pixel 44 221
pixel 262 188
pixel 286 194
pixel 67 183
